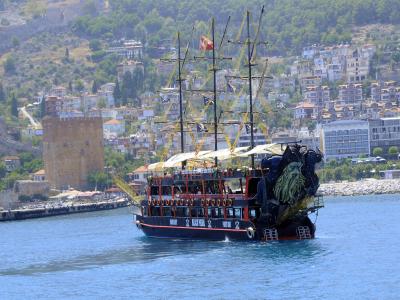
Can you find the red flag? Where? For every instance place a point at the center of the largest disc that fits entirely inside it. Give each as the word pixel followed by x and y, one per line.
pixel 206 44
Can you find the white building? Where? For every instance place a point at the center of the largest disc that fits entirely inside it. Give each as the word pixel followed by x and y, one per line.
pixel 114 127
pixel 345 139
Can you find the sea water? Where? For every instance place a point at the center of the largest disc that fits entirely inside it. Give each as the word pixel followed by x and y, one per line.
pixel 102 255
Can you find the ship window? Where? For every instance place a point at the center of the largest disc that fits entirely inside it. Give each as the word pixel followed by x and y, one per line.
pixel 229 212
pixel 154 190
pixel 167 211
pixel 166 190
pixel 217 212
pixel 155 211
pixel 193 212
pixel 180 211
pixel 200 212
pixel 254 213
pixel 238 212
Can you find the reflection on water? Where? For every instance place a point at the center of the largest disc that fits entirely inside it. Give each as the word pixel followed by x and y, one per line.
pixel 354 254
pixel 149 249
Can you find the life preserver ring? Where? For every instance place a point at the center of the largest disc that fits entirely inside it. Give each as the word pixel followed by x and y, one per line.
pixel 213 202
pixel 181 202
pixel 224 202
pixel 158 202
pixel 149 202
pixel 187 202
pixel 250 232
pixel 191 202
pixel 167 202
pixel 208 202
pixel 162 202
pixel 138 225
pixel 219 202
pixel 202 202
pixel 229 202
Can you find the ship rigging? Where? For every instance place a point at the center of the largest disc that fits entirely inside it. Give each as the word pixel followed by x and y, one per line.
pixel 194 195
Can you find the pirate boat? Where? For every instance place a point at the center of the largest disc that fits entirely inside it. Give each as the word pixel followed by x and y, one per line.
pixel 186 198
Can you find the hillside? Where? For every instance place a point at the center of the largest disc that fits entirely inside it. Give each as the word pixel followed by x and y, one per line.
pixel 289 25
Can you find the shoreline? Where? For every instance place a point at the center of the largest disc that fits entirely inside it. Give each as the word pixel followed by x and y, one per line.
pixel 56 209
pixel 362 187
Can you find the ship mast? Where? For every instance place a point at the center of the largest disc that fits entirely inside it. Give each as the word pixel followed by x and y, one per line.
pixel 180 97
pixel 249 58
pixel 214 91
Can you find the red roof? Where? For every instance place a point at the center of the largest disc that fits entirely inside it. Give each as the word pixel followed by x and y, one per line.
pixel 305 105
pixel 141 169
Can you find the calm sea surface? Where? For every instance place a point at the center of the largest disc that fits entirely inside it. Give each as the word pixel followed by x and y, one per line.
pixel 356 255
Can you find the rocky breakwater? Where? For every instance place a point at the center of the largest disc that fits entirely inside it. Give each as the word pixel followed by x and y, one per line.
pixel 362 187
pixel 54 208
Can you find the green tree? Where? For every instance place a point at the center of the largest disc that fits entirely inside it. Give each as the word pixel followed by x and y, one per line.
pixel 10 65
pixel 338 174
pixel 99 181
pixel 128 88
pixel 378 151
pixel 66 56
pixel 80 87
pixel 95 87
pixel 2 93
pixel 328 175
pixel 393 150
pixel 102 103
pixel 10 179
pixel 95 45
pixel 42 107
pixel 70 88
pixel 3 170
pixel 14 106
pixel 15 42
pixel 117 94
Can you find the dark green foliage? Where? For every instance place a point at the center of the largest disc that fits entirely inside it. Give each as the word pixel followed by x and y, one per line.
pixel 288 24
pixel 14 106
pixel 95 87
pixel 117 94
pixel 66 56
pixel 95 45
pixel 97 56
pixel 70 88
pixel 15 42
pixel 29 164
pixel 128 91
pixel 2 93
pixel 99 181
pixel 42 107
pixel 3 170
pixel 378 151
pixel 10 65
pixel 393 150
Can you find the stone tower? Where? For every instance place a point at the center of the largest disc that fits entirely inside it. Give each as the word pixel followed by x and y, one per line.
pixel 72 149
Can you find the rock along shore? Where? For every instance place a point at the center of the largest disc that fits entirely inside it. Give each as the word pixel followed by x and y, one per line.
pixel 362 187
pixel 61 208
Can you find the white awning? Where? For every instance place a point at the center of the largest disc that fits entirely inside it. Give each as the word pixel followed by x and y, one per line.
pixel 273 149
pixel 177 159
pixel 224 154
pixel 196 159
